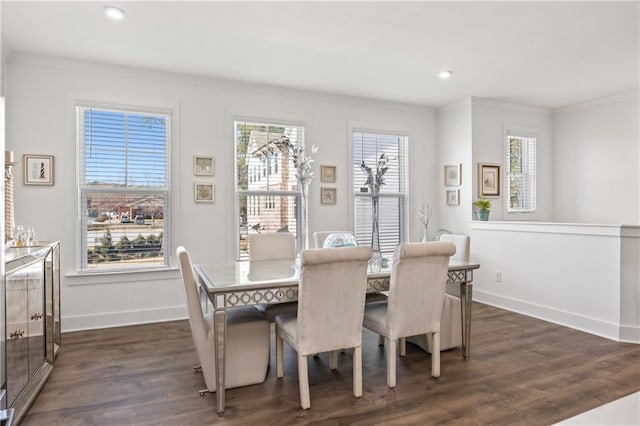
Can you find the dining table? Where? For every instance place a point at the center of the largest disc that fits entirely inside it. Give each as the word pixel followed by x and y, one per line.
pixel 229 285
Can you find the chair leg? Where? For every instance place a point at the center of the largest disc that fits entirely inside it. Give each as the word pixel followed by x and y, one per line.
pixel 303 382
pixel 380 340
pixel 403 346
pixel 435 355
pixel 333 360
pixel 391 362
pixel 357 371
pixel 279 356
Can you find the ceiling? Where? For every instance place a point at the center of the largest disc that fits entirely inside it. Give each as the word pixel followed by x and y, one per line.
pixel 548 54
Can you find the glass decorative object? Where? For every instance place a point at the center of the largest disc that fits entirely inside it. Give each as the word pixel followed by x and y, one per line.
pixel 304 214
pixel 374 182
pixel 340 239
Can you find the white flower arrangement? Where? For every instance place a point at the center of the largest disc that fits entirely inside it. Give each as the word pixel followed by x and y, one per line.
pixel 375 182
pixel 301 162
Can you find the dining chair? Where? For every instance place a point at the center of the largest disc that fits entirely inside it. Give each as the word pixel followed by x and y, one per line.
pixel 451 321
pixel 331 294
pixel 321 236
pixel 414 306
pixel 273 246
pixel 246 343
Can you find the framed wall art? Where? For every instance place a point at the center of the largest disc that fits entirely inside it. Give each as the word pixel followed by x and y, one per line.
pixel 453 197
pixel 204 193
pixel 488 180
pixel 452 174
pixel 327 173
pixel 38 169
pixel 327 195
pixel 203 165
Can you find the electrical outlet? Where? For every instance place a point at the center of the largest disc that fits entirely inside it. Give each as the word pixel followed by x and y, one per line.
pixel 498 276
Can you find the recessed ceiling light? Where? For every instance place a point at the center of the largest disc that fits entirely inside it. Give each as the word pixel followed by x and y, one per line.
pixel 445 74
pixel 114 13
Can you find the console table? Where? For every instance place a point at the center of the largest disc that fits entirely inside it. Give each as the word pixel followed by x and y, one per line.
pixel 32 296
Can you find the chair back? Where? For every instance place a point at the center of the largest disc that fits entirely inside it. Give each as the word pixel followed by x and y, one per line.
pixel 320 236
pixel 272 246
pixel 416 289
pixel 333 283
pixel 462 242
pixel 196 318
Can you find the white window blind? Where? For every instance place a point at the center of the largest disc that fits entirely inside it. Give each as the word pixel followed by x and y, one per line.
pixel 123 188
pixel 521 173
pixel 367 147
pixel 267 193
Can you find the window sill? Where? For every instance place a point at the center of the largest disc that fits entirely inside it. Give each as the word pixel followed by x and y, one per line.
pixel 118 277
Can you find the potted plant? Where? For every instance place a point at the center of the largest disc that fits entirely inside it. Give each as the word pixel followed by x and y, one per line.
pixel 483 206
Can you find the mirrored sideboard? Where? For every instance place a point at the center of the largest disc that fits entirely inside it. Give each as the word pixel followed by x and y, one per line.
pixel 32 285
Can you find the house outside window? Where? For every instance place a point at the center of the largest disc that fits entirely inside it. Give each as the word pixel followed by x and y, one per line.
pixel 367 147
pixel 521 172
pixel 276 189
pixel 123 189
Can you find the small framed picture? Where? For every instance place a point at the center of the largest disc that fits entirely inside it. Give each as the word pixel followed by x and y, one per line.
pixel 203 165
pixel 204 193
pixel 38 169
pixel 327 173
pixel 452 174
pixel 453 197
pixel 488 180
pixel 327 195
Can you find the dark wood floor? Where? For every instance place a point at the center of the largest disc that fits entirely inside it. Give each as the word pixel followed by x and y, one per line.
pixel 521 371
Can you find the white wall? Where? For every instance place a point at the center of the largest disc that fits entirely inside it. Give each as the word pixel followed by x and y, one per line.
pixel 455 147
pixel 490 120
pixel 596 154
pixel 40 120
pixel 581 276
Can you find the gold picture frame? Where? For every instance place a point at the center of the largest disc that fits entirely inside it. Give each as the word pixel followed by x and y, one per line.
pixel 328 173
pixel 328 195
pixel 204 192
pixel 204 165
pixel 488 180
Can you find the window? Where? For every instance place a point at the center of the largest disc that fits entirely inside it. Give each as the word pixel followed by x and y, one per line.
pixel 521 173
pixel 258 147
pixel 123 180
pixel 367 147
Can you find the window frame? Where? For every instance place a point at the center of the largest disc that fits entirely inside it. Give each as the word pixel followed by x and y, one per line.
pixel 403 197
pixel 260 203
pixel 515 131
pixel 81 259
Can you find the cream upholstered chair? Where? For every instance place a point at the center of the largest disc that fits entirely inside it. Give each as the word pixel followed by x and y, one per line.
pixel 273 246
pixel 319 238
pixel 463 244
pixel 416 295
pixel 333 282
pixel 247 339
pixel 451 321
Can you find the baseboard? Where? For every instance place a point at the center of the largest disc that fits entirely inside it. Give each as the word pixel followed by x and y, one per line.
pixel 118 319
pixel 589 325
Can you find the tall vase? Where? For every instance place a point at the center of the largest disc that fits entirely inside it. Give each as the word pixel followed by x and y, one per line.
pixel 425 237
pixel 304 216
pixel 376 256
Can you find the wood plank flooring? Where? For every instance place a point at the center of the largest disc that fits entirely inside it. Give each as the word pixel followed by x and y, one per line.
pixel 522 371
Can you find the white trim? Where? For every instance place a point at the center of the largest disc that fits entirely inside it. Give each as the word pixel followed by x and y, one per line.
pixel 630 231
pixel 579 322
pixel 123 318
pixel 593 103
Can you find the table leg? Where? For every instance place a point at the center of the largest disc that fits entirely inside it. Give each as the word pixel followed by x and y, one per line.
pixel 219 329
pixel 465 311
